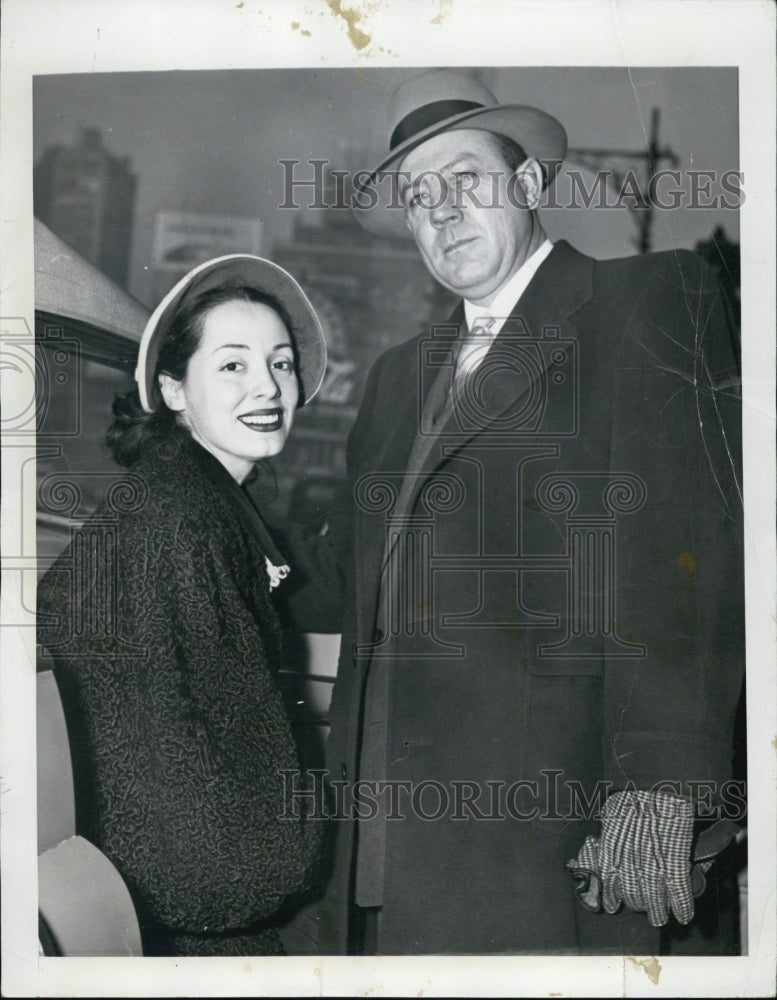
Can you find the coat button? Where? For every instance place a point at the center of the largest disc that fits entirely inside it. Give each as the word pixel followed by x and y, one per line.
pixel 378 635
pixel 343 771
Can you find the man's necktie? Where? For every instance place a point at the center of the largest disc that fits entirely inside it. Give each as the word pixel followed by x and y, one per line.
pixel 474 348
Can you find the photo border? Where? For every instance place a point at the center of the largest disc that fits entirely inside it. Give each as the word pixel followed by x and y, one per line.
pixel 46 36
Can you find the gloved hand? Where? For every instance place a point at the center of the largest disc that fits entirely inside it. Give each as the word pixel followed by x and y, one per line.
pixel 643 858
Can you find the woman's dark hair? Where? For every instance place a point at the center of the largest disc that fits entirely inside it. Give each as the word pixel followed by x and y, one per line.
pixel 133 429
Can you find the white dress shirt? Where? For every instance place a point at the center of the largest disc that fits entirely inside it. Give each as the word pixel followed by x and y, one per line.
pixel 510 292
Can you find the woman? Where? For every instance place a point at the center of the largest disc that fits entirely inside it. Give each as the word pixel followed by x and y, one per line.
pixel 164 635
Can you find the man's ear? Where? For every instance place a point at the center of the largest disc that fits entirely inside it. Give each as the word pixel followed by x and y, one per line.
pixel 172 393
pixel 528 183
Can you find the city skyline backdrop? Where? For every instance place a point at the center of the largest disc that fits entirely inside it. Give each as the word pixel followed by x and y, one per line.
pixel 213 141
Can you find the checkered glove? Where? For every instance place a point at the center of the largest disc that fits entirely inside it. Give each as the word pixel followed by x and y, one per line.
pixel 643 858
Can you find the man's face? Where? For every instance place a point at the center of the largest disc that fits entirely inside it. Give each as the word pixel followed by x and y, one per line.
pixel 467 211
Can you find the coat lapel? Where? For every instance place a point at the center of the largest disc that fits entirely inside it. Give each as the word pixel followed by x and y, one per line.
pixel 393 454
pixel 411 449
pixel 416 376
pixel 509 386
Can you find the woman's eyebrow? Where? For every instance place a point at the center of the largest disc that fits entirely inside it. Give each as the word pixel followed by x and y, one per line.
pixel 225 347
pixel 246 347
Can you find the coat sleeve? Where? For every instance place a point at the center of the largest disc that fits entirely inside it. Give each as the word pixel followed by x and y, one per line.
pixel 188 734
pixel 669 715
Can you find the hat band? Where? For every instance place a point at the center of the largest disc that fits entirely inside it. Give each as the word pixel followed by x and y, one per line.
pixel 428 115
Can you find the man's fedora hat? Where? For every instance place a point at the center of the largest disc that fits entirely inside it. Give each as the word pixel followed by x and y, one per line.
pixel 444 101
pixel 235 271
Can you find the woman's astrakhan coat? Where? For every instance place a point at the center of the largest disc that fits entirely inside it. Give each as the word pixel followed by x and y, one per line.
pixel 160 622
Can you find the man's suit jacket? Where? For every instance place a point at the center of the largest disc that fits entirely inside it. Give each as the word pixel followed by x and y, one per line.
pixel 562 604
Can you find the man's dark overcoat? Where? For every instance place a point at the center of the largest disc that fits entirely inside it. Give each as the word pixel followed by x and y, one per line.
pixel 563 602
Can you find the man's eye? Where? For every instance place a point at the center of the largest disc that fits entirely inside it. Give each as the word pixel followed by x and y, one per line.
pixel 415 198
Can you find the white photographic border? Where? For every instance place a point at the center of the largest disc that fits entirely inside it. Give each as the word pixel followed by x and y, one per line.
pixel 49 36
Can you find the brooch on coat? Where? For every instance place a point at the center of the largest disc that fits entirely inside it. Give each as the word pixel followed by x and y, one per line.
pixel 276 573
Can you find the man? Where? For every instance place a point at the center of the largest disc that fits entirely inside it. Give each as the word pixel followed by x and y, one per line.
pixel 543 558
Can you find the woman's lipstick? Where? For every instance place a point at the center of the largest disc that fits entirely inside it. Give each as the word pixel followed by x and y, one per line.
pixel 264 420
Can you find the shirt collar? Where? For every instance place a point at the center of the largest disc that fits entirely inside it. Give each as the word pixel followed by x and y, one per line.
pixel 510 293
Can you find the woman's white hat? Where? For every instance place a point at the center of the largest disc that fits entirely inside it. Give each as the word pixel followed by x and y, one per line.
pixel 235 271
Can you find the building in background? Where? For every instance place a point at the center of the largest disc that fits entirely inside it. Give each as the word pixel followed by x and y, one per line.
pixel 86 195
pixel 182 240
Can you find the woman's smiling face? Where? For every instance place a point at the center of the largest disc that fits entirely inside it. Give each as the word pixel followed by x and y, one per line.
pixel 240 389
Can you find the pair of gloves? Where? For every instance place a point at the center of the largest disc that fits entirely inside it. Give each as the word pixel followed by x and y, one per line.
pixel 643 858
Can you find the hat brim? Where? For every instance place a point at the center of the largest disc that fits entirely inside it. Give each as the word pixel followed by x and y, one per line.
pixel 237 270
pixel 376 204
